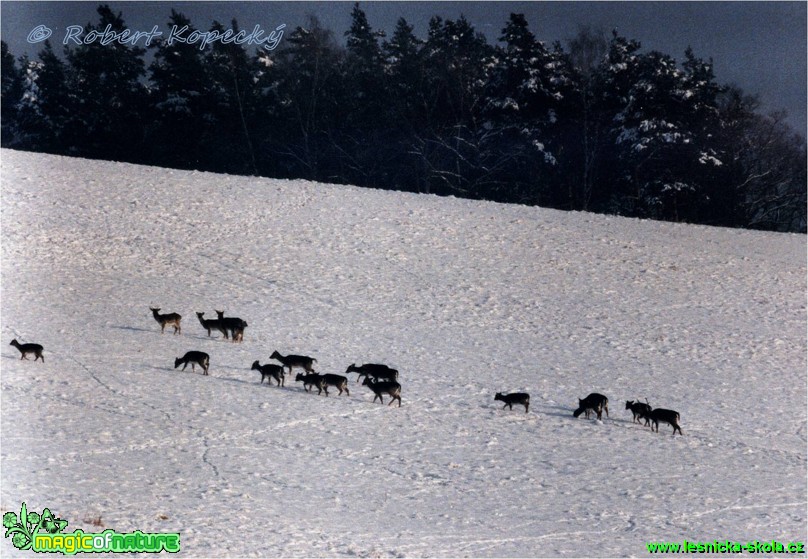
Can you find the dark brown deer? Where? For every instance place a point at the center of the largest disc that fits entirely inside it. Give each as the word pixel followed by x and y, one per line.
pixel 521 398
pixel 295 361
pixel 194 358
pixel 665 416
pixel 235 325
pixel 270 371
pixel 384 387
pixel 170 319
pixel 337 381
pixel 639 410
pixel 312 380
pixel 375 370
pixel 594 402
pixel 25 349
pixel 211 324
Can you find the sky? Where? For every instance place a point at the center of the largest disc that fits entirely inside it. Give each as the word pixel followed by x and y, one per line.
pixel 759 46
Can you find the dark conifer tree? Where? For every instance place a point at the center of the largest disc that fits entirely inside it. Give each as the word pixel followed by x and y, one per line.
pixel 703 161
pixel 611 83
pixel 181 101
pixel 364 142
pixel 403 71
pixel 527 91
pixel 107 121
pixel 457 61
pixel 233 98
pixel 662 140
pixel 310 90
pixel 584 126
pixel 12 88
pixel 43 111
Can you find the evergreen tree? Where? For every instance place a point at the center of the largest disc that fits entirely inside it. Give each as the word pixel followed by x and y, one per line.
pixel 663 138
pixel 703 160
pixel 43 112
pixel 364 145
pixel 456 61
pixel 310 91
pixel 584 124
pixel 12 88
pixel 106 121
pixel 232 104
pixel 181 100
pixel 528 88
pixel 611 84
pixel 403 71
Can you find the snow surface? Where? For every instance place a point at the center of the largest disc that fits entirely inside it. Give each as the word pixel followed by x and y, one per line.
pixel 465 298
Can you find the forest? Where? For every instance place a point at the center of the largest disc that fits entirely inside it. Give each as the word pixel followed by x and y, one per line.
pixel 596 124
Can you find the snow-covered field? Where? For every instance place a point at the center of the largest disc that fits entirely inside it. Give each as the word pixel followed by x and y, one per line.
pixel 464 298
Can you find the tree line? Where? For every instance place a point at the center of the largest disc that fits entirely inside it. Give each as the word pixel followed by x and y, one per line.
pixel 597 125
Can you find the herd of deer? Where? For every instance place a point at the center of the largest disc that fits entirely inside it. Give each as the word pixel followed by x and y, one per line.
pixel 599 403
pixel 381 379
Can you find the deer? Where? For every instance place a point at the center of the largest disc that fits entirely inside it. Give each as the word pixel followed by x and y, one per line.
pixel 25 349
pixel 384 387
pixel 295 361
pixel 375 370
pixel 194 358
pixel 337 381
pixel 172 319
pixel 211 324
pixel 665 416
pixel 312 380
pixel 594 402
pixel 639 410
pixel 235 325
pixel 269 371
pixel 521 398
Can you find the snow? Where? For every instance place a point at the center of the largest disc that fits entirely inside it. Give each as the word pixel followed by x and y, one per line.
pixel 464 298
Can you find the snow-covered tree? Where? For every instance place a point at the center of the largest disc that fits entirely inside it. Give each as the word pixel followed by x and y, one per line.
pixel 44 104
pixel 660 117
pixel 457 62
pixel 528 88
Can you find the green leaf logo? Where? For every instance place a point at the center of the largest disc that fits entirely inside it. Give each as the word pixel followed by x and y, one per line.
pixel 24 527
pixel 9 520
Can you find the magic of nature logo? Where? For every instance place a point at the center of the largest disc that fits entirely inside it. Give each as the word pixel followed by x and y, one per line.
pixel 41 533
